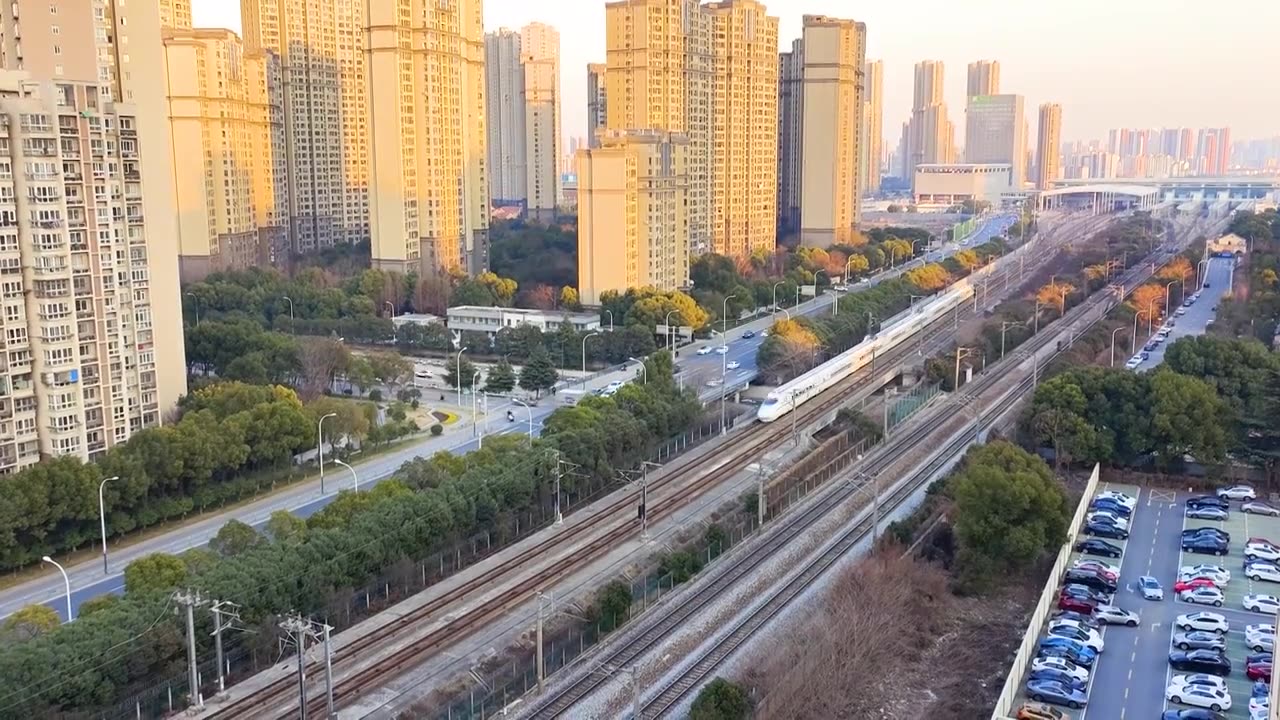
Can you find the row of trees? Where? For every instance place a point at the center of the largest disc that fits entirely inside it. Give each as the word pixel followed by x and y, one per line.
pixel 311 566
pixel 1257 313
pixel 228 436
pixel 796 344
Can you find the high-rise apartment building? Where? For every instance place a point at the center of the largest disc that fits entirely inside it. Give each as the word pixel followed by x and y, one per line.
pixel 790 133
pixel 175 14
pixel 709 72
pixel 229 195
pixel 633 225
pixel 323 102
pixel 830 130
pixel 540 56
pixel 504 111
pixel 995 132
pixel 932 134
pixel 984 78
pixel 873 129
pixel 597 102
pixel 1213 151
pixel 430 206
pixel 92 313
pixel 1048 145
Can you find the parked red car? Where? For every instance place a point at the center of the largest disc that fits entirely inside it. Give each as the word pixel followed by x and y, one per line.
pixel 1259 671
pixel 1193 583
pixel 1076 604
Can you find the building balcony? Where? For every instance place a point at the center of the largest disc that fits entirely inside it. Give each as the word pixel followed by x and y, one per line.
pixel 132 175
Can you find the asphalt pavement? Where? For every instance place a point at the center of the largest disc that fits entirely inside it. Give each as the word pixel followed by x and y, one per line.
pixel 88 580
pixel 1197 316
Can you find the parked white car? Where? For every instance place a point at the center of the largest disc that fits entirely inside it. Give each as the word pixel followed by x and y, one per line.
pixel 1112 615
pixel 1088 637
pixel 1216 573
pixel 1259 603
pixel 1125 500
pixel 1260 637
pixel 1211 621
pixel 1116 519
pixel 1062 664
pixel 1201 679
pixel 1261 551
pixel 1238 492
pixel 1257 507
pixel 1201 696
pixel 1259 708
pixel 1096 564
pixel 1202 596
pixel 1133 363
pixel 1260 570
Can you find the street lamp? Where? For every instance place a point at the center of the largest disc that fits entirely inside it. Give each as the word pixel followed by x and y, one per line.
pixel 290 301
pixel 475 424
pixel 102 516
pixel 195 306
pixel 724 317
pixel 66 581
pixel 644 371
pixel 584 350
pixel 355 479
pixel 1113 344
pixel 320 446
pixel 671 341
pixel 1133 348
pixel 914 298
pixel 530 411
pixel 1035 314
pixel 457 370
pixel 921 240
pixel 610 312
pixel 392 306
pixel 775 297
pixel 1167 293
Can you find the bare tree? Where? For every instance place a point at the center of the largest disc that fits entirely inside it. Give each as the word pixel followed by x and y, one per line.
pixel 322 358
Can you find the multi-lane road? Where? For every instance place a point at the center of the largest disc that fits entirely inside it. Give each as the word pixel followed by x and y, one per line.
pixel 88 580
pixel 1196 317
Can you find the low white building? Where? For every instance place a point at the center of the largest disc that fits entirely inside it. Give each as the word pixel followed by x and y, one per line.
pixel 415 319
pixel 940 185
pixel 490 320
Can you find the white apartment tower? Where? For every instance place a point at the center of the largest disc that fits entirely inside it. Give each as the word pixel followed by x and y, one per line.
pixel 323 101
pixel 540 57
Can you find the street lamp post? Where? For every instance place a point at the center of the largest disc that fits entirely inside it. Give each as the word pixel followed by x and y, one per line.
pixel 475 417
pixel 355 479
pixel 584 350
pixel 914 298
pixel 775 296
pixel 1199 280
pixel 66 582
pixel 290 301
pixel 529 410
pixel 1035 314
pixel 671 342
pixel 392 307
pixel 320 446
pixel 457 370
pixel 724 318
pixel 610 312
pixel 195 307
pixel 644 370
pixel 1113 344
pixel 1133 347
pixel 1167 292
pixel 102 516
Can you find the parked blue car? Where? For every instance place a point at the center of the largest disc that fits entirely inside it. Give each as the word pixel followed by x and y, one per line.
pixel 1112 505
pixel 1056 693
pixel 1084 658
pixel 1058 676
pixel 1068 644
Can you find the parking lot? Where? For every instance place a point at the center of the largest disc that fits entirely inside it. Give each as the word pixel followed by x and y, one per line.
pixel 1130 677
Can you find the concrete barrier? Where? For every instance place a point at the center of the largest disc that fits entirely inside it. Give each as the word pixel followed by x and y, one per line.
pixel 1026 650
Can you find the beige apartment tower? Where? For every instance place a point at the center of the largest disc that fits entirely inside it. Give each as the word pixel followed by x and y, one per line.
pixel 984 78
pixel 633 225
pixel 931 135
pixel 873 130
pixel 597 102
pixel 429 208
pixel 1048 144
pixel 322 101
pixel 540 58
pixel 830 188
pixel 228 196
pixel 790 134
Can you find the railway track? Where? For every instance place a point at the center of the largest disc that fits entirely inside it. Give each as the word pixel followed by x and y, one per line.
pixel 676 615
pixel 688 481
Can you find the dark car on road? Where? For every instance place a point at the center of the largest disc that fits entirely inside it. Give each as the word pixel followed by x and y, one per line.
pixel 1102 548
pixel 1106 530
pixel 1204 545
pixel 748 334
pixel 1200 661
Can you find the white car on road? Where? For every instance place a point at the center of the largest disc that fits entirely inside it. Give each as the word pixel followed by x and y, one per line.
pixel 705 350
pixel 1211 621
pixel 1199 696
pixel 722 350
pixel 1061 664
pixel 733 365
pixel 1259 603
pixel 1262 571
pixel 1258 507
pixel 1237 492
pixel 1113 615
pixel 1202 596
pixel 1261 551
pixel 1216 573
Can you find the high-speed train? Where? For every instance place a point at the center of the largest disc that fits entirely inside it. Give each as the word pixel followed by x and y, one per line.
pixel 788 397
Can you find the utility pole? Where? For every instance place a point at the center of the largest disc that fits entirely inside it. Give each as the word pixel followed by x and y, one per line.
pixel 328 669
pixel 541 666
pixel 635 692
pixel 190 600
pixel 299 630
pixel 231 612
pixel 760 497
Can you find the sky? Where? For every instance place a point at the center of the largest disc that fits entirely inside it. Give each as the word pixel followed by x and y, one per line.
pixel 1109 63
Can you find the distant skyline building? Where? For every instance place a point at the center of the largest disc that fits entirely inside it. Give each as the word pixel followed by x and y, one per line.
pixel 430 209
pixel 504 112
pixel 597 102
pixel 984 78
pixel 995 132
pixel 1048 145
pixel 932 134
pixel 873 127
pixel 790 134
pixel 540 57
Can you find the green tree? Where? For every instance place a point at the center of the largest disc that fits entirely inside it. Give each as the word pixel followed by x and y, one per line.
pixel 539 373
pixel 30 621
pixel 569 298
pixel 614 602
pixel 284 526
pixel 1057 417
pixel 501 378
pixel 96 605
pixel 681 565
pixel 721 700
pixel 1008 512
pixel 155 572
pixel 350 418
pixel 463 371
pixel 1187 418
pixel 234 538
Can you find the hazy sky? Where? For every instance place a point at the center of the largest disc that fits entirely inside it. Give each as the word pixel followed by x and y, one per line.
pixel 1110 63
